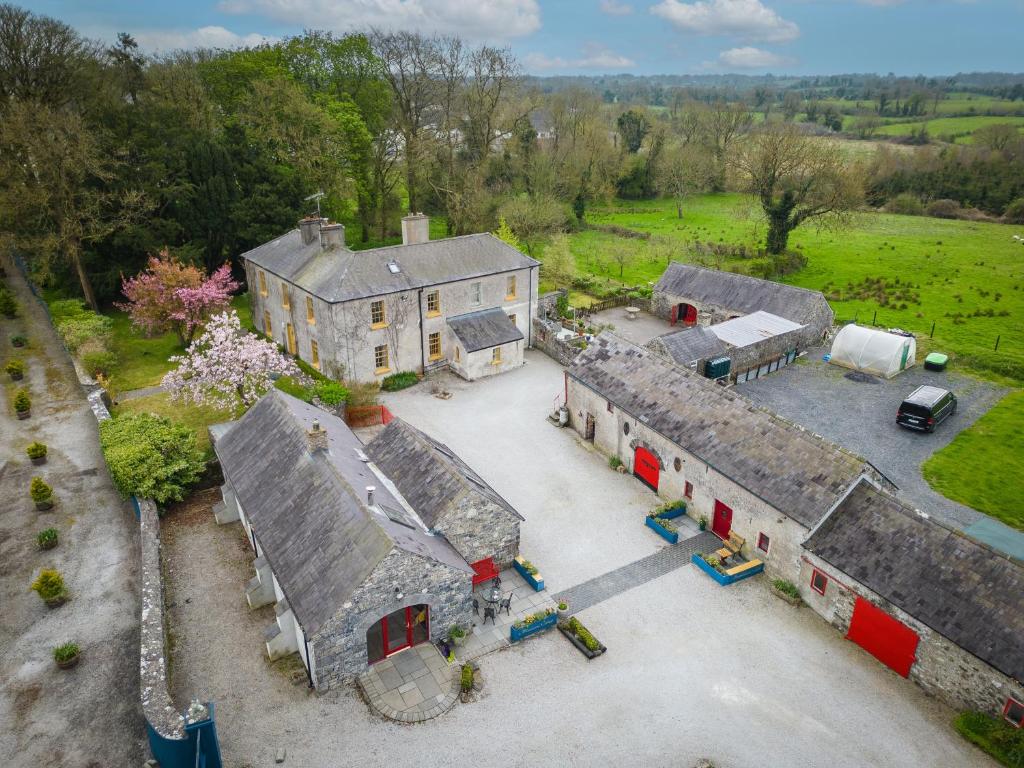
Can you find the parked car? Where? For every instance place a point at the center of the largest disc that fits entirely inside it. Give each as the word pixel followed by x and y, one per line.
pixel 925 408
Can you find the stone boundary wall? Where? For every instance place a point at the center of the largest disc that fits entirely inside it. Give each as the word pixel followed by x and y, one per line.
pixel 545 338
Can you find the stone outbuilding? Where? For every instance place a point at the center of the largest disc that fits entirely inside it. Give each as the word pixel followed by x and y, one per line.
pixel 691 295
pixel 484 343
pixel 929 602
pixel 354 570
pixel 364 315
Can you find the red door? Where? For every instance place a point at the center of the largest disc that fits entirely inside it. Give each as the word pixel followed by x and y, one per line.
pixel 687 313
pixel 887 639
pixel 645 467
pixel 675 314
pixel 722 522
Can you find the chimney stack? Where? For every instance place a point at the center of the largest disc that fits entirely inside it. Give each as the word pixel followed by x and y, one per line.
pixel 332 236
pixel 310 228
pixel 415 229
pixel 369 495
pixel 317 438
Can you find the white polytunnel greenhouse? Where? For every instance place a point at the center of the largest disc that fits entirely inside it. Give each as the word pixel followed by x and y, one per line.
pixel 873 351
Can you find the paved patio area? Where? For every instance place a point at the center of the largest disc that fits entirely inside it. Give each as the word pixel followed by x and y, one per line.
pixel 494 635
pixel 640 330
pixel 414 685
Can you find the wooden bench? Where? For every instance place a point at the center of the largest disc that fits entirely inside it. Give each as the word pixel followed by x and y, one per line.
pixel 732 546
pixel 738 569
pixel 483 570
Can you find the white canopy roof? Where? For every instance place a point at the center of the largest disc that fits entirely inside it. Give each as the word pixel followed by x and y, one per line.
pixel 873 351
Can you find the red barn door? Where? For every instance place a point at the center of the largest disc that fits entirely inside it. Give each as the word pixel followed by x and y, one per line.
pixel 887 639
pixel 645 467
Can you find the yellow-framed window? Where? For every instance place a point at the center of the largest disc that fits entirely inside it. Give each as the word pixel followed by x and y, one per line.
pixel 268 326
pixel 314 354
pixel 378 315
pixel 286 302
pixel 263 283
pixel 434 345
pixel 496 356
pixel 510 287
pixel 291 338
pixel 380 358
pixel 434 303
pixel 310 317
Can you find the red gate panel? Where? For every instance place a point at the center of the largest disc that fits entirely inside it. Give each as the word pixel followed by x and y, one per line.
pixel 887 639
pixel 645 466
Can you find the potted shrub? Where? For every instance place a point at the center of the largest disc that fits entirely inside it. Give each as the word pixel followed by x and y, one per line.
pixel 563 611
pixel 786 590
pixel 47 539
pixel 702 522
pixel 615 463
pixel 15 369
pixel 67 655
pixel 18 340
pixel 457 635
pixel 41 493
pixel 22 404
pixel 37 453
pixel 49 585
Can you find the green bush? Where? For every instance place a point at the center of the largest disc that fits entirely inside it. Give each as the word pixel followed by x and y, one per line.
pixel 614 462
pixel 786 587
pixel 40 490
pixel 583 634
pixel 88 326
pixel 8 304
pixel 47 539
pixel 906 204
pixel 65 308
pixel 96 358
pixel 65 652
pixel 944 209
pixel 49 584
pixel 1001 740
pixel 330 392
pixel 456 631
pixel 22 401
pixel 36 450
pixel 151 457
pixel 563 606
pixel 400 380
pixel 15 367
pixel 1014 213
pixel 466 682
pixel 18 340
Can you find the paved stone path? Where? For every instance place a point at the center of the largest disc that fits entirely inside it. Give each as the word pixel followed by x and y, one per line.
pixel 412 686
pixel 613 583
pixel 135 394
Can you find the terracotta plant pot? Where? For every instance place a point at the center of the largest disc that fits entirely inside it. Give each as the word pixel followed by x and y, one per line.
pixel 43 506
pixel 56 602
pixel 69 663
pixel 38 460
pixel 24 414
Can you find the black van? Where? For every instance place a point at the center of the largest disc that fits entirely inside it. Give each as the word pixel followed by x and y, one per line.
pixel 926 408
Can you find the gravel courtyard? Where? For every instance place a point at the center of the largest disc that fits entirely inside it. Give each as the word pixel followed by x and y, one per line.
pixel 861 416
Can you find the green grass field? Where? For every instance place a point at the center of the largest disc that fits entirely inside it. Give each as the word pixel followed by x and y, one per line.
pixel 952 273
pixel 984 466
pixel 959 127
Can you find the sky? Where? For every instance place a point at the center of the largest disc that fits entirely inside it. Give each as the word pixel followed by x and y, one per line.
pixel 803 37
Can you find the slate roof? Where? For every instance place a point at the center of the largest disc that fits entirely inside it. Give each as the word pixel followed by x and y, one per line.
pixel 962 589
pixel 338 274
pixel 795 471
pixel 740 292
pixel 308 510
pixel 484 329
pixel 428 473
pixel 694 343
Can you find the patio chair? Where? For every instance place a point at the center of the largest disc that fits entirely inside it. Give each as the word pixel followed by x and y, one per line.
pixel 476 606
pixel 489 613
pixel 496 582
pixel 506 604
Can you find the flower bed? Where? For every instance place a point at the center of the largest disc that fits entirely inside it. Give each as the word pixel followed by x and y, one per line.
pixel 529 571
pixel 726 576
pixel 532 624
pixel 580 636
pixel 661 527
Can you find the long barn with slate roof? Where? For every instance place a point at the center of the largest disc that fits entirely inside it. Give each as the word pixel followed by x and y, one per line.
pixel 927 601
pixel 690 295
pixel 364 315
pixel 355 560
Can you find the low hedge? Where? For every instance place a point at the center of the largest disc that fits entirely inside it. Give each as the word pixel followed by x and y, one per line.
pixel 786 587
pixel 400 380
pixel 583 634
pixel 994 735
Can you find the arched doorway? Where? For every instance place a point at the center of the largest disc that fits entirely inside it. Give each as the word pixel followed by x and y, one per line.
pixel 398 630
pixel 645 467
pixel 684 313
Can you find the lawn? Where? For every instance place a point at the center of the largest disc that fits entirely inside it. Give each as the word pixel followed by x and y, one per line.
pixel 983 467
pixel 952 273
pixel 195 417
pixel 958 127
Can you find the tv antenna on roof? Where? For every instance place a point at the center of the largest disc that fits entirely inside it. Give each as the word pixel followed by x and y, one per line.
pixel 315 196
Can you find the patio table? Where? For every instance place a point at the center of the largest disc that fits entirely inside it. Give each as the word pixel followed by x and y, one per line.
pixel 632 313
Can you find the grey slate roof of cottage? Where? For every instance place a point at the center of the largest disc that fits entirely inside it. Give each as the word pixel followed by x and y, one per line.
pixel 795 471
pixel 484 329
pixel 308 510
pixel 963 590
pixel 338 274
pixel 740 292
pixel 695 343
pixel 428 473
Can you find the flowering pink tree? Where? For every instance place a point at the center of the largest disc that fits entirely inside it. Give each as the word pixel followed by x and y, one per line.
pixel 227 367
pixel 171 296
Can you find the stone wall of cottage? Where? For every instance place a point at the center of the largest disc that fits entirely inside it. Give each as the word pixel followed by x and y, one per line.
pixel 943 669
pixel 339 646
pixel 765 351
pixel 545 338
pixel 479 528
pixel 480 364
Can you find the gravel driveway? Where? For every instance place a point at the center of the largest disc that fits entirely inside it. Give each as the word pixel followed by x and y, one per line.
pixel 859 413
pixel 89 716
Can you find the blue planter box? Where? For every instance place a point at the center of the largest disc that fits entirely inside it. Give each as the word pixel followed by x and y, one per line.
pixel 674 513
pixel 671 537
pixel 722 578
pixel 538 626
pixel 537 582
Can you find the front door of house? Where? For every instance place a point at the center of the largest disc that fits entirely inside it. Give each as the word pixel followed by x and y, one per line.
pixel 721 524
pixel 645 467
pixel 398 630
pixel 590 428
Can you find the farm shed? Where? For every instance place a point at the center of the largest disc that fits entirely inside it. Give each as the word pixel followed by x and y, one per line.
pixel 873 351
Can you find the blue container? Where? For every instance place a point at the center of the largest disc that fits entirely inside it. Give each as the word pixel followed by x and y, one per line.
pixel 674 512
pixel 515 635
pixel 722 578
pixel 670 536
pixel 534 581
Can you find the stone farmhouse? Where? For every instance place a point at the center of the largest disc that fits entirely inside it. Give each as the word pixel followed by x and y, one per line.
pixel 463 301
pixel 755 345
pixel 689 295
pixel 927 601
pixel 355 560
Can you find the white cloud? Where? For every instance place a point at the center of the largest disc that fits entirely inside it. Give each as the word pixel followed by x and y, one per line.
pixel 474 19
pixel 204 37
pixel 748 57
pixel 595 56
pixel 615 8
pixel 745 19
